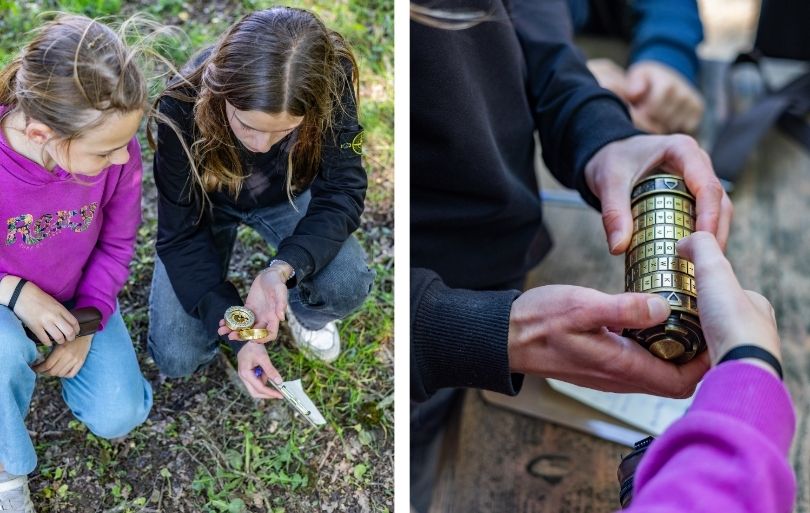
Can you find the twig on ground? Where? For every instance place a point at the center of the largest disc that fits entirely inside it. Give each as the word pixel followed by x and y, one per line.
pixel 326 454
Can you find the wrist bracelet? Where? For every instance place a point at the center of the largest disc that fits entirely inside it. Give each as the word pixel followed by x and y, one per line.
pixel 16 294
pixel 276 261
pixel 756 352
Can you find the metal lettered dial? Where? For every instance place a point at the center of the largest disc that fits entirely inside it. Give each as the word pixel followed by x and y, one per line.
pixel 663 213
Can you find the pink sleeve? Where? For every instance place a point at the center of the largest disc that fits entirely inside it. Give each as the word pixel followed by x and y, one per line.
pixel 108 267
pixel 728 453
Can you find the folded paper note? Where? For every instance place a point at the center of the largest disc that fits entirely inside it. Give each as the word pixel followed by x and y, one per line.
pixel 295 396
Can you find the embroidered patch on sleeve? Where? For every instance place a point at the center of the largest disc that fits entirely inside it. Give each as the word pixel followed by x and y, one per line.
pixel 353 141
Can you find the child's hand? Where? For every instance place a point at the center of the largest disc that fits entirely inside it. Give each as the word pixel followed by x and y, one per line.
pixel 254 355
pixel 66 360
pixel 729 315
pixel 44 316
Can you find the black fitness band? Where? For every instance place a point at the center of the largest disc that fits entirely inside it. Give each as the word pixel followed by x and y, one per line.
pixel 756 352
pixel 13 301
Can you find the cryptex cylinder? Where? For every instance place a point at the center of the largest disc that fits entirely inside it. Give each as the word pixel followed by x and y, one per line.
pixel 663 213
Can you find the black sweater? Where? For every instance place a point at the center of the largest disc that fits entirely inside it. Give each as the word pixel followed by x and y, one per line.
pixel 186 247
pixel 477 96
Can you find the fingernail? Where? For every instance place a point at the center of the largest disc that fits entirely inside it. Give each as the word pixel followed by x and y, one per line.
pixel 614 239
pixel 278 380
pixel 657 307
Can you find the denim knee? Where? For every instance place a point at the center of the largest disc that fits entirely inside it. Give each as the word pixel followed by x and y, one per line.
pixel 178 360
pixel 117 415
pixel 355 291
pixel 343 285
pixel 176 341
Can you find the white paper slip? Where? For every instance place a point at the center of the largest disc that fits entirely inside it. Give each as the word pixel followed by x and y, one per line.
pixel 538 399
pixel 649 413
pixel 295 396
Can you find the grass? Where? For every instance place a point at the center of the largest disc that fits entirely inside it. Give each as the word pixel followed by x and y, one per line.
pixel 206 446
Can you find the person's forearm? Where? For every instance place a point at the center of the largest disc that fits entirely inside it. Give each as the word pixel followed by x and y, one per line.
pixel 575 117
pixel 7 284
pixel 459 338
pixel 333 214
pixel 728 453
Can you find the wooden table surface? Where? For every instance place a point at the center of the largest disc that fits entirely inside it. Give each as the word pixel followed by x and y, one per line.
pixel 495 460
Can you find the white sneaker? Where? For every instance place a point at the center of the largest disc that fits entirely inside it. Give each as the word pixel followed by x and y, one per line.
pixel 14 494
pixel 323 343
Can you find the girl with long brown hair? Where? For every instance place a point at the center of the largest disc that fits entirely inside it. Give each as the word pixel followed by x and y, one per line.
pixel 270 139
pixel 70 190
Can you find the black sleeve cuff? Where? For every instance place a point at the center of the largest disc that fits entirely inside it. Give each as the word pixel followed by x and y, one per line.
pixel 212 308
pixel 459 339
pixel 594 125
pixel 236 345
pixel 300 260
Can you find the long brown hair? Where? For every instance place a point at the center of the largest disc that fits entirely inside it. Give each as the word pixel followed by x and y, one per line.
pixel 276 60
pixel 73 69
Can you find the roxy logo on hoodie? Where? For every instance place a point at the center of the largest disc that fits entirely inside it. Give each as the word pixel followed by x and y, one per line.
pixel 24 229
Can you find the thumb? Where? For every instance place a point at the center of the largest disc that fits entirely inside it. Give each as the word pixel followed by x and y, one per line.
pixel 270 372
pixel 628 310
pixel 636 86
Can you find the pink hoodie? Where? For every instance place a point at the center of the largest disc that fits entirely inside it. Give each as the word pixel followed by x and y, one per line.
pixel 73 236
pixel 728 454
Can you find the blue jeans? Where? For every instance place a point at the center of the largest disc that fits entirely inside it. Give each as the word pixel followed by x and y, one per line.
pixel 109 394
pixel 178 341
